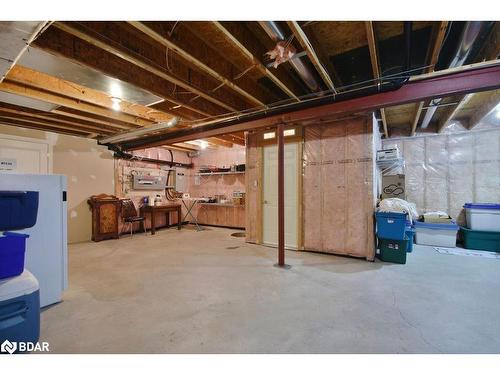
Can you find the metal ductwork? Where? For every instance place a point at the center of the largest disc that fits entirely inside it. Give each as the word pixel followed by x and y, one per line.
pixel 275 33
pixel 470 34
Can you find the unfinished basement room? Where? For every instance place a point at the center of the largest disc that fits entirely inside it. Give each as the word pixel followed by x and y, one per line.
pixel 263 187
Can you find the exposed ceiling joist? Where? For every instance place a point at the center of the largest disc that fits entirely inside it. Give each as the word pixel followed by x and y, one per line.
pixel 452 112
pixel 485 109
pixel 372 46
pixel 82 116
pixel 420 106
pixel 437 40
pixel 47 117
pixel 52 127
pixel 306 44
pixel 54 124
pixel 199 64
pixel 258 65
pixel 219 142
pixel 143 65
pixel 60 86
pixel 35 93
pixel 233 139
pixel 469 79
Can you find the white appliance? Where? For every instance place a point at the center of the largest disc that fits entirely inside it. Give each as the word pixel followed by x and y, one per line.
pixel 47 246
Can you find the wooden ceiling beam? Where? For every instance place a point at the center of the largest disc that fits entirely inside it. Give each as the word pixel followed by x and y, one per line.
pixel 38 94
pixel 233 139
pixel 140 63
pixel 420 106
pixel 31 120
pixel 311 53
pixel 82 116
pixel 437 39
pixel 60 86
pixel 194 61
pixel 372 46
pixel 55 120
pixel 258 65
pixel 452 112
pixel 79 51
pixel 488 105
pixel 219 142
pixel 38 126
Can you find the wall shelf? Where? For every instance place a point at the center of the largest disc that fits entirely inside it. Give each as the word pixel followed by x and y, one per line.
pixel 218 173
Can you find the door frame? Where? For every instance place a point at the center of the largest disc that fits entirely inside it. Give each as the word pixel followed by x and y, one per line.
pixel 300 166
pixel 43 141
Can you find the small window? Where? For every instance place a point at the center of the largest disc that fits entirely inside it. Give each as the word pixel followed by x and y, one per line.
pixel 269 135
pixel 289 132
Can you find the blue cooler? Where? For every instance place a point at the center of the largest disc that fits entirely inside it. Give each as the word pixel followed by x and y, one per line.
pixel 20 309
pixel 12 248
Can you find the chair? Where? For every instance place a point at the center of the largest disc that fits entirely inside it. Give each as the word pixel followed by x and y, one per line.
pixel 130 216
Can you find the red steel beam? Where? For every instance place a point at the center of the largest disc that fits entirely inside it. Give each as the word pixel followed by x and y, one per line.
pixel 281 195
pixel 456 83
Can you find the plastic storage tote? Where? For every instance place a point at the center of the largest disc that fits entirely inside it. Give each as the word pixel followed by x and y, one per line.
pixel 409 233
pixel 20 309
pixel 391 225
pixel 19 209
pixel 444 235
pixel 393 251
pixel 481 240
pixel 483 216
pixel 12 249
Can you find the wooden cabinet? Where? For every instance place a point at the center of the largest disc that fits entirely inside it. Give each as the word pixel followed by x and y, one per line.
pixel 232 216
pixel 105 216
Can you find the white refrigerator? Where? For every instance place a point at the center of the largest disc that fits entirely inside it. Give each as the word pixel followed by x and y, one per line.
pixel 46 248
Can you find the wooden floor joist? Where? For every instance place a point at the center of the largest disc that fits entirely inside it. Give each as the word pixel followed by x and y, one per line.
pixel 83 116
pixel 433 53
pixel 33 78
pixel 49 119
pixel 306 44
pixel 255 61
pixel 197 63
pixel 372 46
pixel 142 64
pixel 38 94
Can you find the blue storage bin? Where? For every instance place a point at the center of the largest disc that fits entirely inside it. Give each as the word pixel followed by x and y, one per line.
pixel 391 225
pixel 20 309
pixel 12 249
pixel 409 232
pixel 18 209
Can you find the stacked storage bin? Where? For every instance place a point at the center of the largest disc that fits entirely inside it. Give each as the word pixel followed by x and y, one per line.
pixel 391 236
pixel 19 289
pixel 483 222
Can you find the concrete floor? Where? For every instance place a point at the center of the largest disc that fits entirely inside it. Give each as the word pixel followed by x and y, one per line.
pixel 207 292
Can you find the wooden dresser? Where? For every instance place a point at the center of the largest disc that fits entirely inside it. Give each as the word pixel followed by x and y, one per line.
pixel 105 216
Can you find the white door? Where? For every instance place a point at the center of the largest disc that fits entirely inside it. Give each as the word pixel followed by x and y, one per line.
pixel 25 156
pixel 270 195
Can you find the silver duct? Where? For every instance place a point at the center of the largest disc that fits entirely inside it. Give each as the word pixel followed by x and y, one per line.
pixel 469 36
pixel 273 30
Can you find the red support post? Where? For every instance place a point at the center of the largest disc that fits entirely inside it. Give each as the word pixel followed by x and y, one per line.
pixel 281 195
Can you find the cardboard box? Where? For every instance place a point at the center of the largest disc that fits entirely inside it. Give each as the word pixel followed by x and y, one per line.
pixel 393 186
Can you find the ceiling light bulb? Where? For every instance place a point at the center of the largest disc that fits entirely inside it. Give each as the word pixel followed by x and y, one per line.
pixel 203 144
pixel 116 104
pixel 115 90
